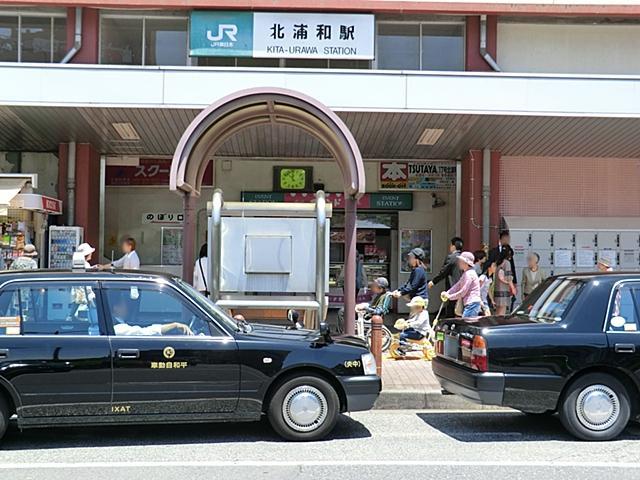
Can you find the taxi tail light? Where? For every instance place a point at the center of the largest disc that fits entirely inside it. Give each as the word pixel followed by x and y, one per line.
pixel 479 359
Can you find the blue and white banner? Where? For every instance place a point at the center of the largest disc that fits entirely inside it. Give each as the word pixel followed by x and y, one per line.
pixel 282 35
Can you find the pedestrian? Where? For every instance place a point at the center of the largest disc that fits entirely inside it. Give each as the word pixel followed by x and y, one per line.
pixel 86 251
pixel 380 303
pixel 201 271
pixel 604 265
pixel 416 286
pixel 504 287
pixel 479 259
pixel 26 261
pixel 532 274
pixel 294 320
pixel 505 239
pixel 486 279
pixel 130 259
pixel 450 272
pixel 466 288
pixel 361 276
pixel 417 325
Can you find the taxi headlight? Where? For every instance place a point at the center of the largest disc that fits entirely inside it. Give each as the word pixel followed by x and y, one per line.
pixel 368 364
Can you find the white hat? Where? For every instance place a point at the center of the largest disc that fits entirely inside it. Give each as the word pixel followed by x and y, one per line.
pixel 417 302
pixel 85 249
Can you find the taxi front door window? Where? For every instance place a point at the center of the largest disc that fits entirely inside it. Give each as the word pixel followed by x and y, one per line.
pixel 153 312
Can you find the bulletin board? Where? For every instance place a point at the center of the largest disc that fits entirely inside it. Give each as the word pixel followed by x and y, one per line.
pixel 414 238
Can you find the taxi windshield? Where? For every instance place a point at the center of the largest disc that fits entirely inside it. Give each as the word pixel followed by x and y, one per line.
pixel 548 303
pixel 216 312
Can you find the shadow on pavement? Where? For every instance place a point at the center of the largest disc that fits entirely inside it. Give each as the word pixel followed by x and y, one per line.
pixel 505 427
pixel 167 434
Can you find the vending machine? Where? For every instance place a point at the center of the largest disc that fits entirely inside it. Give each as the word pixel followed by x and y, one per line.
pixel 63 241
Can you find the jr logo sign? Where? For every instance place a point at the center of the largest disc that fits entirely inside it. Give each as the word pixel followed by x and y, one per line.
pixel 229 30
pixel 221 34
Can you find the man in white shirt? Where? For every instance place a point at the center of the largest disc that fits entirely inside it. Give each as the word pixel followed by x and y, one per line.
pixel 120 311
pixel 130 259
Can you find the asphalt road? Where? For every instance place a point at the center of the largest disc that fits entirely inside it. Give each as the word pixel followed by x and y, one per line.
pixel 379 444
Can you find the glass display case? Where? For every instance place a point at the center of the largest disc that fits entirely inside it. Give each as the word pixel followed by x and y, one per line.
pixel 373 241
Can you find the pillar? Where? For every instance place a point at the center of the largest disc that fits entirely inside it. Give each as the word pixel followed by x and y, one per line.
pixel 471 200
pixel 350 252
pixel 189 237
pixel 494 197
pixel 474 61
pixel 63 162
pixel 87 195
pixel 88 53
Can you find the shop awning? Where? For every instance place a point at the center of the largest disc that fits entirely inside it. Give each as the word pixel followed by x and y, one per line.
pixel 571 223
pixel 10 186
pixel 37 203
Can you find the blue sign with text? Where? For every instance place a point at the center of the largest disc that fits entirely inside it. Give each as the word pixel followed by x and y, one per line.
pixel 221 34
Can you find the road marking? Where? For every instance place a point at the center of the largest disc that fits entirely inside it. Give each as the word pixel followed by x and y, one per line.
pixel 315 463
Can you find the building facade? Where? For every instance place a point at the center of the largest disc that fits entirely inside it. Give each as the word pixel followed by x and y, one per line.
pixel 470 116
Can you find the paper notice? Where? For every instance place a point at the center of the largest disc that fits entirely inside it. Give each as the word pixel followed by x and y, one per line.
pixel 586 258
pixel 609 255
pixel 563 258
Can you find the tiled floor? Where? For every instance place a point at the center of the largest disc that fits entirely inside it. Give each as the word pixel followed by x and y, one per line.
pixel 410 373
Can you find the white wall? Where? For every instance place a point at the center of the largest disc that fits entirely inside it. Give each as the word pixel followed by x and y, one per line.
pixel 568 48
pixel 124 207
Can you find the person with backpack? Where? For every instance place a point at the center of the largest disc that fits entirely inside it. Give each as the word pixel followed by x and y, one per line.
pixel 201 272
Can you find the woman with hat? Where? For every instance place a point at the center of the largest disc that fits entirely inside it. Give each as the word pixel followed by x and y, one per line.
pixel 26 261
pixel 86 251
pixel 604 265
pixel 416 286
pixel 467 288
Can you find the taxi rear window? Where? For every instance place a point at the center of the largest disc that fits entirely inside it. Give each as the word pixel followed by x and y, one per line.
pixel 550 303
pixel 55 308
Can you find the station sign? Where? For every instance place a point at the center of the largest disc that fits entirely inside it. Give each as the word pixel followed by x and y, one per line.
pixel 369 201
pixel 282 35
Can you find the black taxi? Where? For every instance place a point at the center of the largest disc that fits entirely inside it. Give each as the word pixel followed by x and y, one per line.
pixel 131 347
pixel 572 348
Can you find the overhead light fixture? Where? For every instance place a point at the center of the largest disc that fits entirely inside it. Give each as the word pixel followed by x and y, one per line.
pixel 126 131
pixel 430 136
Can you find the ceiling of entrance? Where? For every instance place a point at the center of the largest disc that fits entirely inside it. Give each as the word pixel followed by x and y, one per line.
pixel 379 134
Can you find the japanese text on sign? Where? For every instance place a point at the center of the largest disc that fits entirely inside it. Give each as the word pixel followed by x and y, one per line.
pixel 294 35
pixel 282 35
pixel 417 175
pixel 160 217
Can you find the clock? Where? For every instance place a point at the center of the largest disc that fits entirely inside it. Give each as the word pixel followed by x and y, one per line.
pixel 293 179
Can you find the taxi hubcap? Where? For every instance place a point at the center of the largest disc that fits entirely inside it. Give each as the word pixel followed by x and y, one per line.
pixel 597 407
pixel 304 408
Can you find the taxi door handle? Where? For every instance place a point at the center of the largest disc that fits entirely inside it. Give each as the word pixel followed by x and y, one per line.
pixel 624 348
pixel 4 352
pixel 128 353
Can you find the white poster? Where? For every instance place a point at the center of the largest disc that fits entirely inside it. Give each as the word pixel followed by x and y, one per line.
pixel 313 35
pixel 586 258
pixel 629 258
pixel 563 258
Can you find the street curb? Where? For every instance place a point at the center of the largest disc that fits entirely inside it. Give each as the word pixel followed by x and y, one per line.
pixel 425 400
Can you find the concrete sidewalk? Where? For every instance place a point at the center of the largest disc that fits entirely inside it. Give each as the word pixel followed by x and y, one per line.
pixel 409 383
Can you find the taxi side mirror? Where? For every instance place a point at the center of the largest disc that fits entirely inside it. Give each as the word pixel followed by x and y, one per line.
pixel 325 332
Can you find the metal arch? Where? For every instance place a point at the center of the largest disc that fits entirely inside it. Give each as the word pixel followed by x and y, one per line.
pixel 187 166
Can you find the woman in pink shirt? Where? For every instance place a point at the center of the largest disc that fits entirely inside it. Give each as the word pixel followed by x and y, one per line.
pixel 467 288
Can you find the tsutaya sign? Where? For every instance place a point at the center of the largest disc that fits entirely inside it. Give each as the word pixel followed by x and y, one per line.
pixel 438 175
pixel 281 35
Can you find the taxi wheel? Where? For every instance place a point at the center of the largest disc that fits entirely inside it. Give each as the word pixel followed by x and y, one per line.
pixel 304 408
pixel 4 416
pixel 595 407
